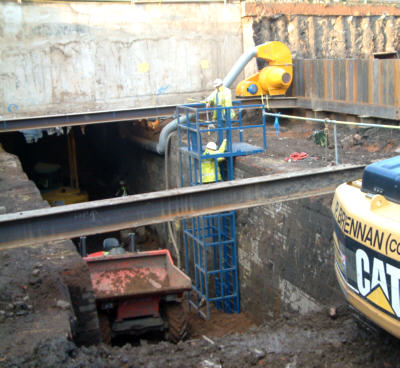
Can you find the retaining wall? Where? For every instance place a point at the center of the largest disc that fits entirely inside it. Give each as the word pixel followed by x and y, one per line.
pixel 66 57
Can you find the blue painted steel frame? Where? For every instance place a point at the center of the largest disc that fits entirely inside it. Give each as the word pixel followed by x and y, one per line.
pixel 210 240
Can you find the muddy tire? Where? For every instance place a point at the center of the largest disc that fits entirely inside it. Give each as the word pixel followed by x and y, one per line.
pixel 86 327
pixel 177 319
pixel 105 328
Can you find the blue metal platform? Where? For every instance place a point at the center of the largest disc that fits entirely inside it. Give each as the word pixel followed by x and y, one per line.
pixel 210 240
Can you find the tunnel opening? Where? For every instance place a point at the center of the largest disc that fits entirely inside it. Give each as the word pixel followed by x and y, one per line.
pixel 97 151
pixel 99 164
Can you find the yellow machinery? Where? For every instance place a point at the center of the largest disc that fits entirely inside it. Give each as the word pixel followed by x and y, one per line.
pixel 275 78
pixel 61 195
pixel 366 237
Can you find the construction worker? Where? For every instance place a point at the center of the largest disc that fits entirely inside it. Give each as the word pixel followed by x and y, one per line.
pixel 220 97
pixel 210 166
pixel 121 192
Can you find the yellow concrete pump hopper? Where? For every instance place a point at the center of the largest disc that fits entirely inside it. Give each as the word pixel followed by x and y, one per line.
pixel 275 78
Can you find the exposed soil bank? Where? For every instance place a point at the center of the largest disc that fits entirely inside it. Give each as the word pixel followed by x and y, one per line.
pixel 319 31
pixel 311 341
pixel 45 290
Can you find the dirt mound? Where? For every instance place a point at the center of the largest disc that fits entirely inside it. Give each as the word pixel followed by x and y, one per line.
pixel 315 340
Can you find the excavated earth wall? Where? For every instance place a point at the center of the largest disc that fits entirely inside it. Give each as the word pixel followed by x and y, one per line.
pixel 318 31
pixel 45 290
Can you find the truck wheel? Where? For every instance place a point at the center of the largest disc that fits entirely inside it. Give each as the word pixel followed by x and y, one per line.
pixel 105 328
pixel 177 319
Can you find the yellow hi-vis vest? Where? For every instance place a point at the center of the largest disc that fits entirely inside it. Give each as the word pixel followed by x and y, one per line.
pixel 208 166
pixel 221 97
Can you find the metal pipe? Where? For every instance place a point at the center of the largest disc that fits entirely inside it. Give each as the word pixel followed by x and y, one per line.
pixel 145 143
pixel 131 242
pixel 336 150
pixel 82 246
pixel 238 66
pixel 227 82
pixel 166 131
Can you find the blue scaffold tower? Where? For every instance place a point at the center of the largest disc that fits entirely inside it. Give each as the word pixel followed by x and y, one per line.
pixel 211 258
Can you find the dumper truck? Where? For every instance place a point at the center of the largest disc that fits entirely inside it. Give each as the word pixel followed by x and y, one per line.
pixel 138 292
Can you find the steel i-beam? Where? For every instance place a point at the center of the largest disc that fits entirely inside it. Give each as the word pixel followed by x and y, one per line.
pixel 69 221
pixel 114 116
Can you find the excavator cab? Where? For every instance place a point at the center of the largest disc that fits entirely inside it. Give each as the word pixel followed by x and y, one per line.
pixel 366 235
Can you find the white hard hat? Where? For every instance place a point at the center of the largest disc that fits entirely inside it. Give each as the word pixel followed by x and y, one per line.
pixel 218 82
pixel 211 146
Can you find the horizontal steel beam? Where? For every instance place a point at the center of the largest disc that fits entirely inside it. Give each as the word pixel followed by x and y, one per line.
pixel 278 102
pixel 45 122
pixel 351 108
pixel 65 222
pixel 273 102
pixel 99 117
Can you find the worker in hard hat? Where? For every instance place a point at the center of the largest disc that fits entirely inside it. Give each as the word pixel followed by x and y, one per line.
pixel 209 167
pixel 220 97
pixel 121 192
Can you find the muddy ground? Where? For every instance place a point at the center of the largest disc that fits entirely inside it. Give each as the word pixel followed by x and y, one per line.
pixel 315 142
pixel 315 340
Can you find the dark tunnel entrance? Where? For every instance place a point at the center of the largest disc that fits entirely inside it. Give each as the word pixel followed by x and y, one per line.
pixel 47 161
pixel 86 163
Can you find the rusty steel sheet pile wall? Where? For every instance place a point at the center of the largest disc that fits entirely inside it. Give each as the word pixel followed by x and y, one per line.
pixel 372 81
pixel 69 57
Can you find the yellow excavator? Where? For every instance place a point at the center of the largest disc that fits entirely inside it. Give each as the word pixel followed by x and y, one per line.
pixel 366 237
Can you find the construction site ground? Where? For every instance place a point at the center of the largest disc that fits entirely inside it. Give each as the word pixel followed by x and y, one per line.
pixel 30 296
pixel 315 340
pixel 298 145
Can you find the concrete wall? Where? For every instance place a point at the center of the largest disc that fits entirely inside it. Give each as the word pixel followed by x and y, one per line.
pixel 73 57
pixel 286 258
pixel 76 57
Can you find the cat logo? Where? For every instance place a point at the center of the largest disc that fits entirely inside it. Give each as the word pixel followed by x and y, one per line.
pixel 378 282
